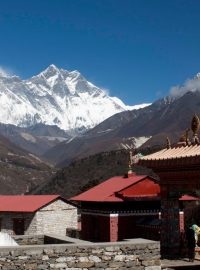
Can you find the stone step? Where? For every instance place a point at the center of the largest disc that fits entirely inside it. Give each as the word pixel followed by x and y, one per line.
pixel 177 264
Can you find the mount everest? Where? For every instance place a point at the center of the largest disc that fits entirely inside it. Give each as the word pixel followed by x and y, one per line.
pixel 56 97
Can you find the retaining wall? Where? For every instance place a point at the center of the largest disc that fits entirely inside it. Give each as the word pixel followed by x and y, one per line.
pixel 130 255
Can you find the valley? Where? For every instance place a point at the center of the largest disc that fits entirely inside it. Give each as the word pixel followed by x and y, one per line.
pixel 49 159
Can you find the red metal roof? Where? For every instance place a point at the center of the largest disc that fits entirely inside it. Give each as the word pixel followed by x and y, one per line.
pixel 119 189
pixel 108 190
pixel 25 203
pixel 189 198
pixel 144 189
pixel 141 188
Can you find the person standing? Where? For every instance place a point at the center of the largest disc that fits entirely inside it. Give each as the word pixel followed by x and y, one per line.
pixel 196 230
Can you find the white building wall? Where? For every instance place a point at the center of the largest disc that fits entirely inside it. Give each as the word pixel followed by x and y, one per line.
pixel 56 217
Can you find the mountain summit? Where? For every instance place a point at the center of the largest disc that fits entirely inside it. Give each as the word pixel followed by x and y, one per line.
pixel 56 97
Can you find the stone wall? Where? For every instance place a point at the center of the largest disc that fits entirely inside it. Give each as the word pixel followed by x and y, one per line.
pixel 108 256
pixel 56 217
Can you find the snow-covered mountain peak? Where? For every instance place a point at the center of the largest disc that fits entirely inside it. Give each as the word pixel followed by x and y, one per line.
pixel 51 68
pixel 50 71
pixel 75 75
pixel 56 97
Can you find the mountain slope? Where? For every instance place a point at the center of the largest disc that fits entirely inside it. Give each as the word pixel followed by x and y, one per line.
pixel 56 97
pixel 20 170
pixel 36 139
pixel 170 117
pixel 165 117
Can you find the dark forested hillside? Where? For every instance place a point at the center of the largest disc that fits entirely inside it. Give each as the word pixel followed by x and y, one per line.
pixel 85 173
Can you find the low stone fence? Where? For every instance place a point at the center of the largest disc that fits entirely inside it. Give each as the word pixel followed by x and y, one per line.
pixel 29 239
pixel 41 239
pixel 130 255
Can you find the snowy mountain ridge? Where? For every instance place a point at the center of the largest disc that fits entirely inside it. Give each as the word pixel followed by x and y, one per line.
pixel 56 97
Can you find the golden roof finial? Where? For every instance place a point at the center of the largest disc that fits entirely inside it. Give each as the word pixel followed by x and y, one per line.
pixel 195 128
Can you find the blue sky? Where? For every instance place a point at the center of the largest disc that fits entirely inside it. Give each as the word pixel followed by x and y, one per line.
pixel 137 49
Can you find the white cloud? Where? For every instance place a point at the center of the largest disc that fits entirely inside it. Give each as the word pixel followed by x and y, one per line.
pixel 190 85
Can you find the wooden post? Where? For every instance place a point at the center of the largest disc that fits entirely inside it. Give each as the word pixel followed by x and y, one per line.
pixel 170 228
pixel 113 227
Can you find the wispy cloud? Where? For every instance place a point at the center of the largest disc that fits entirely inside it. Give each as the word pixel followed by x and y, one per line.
pixel 106 90
pixel 5 71
pixel 190 85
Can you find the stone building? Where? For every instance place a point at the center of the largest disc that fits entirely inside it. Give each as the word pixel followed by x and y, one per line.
pixel 36 214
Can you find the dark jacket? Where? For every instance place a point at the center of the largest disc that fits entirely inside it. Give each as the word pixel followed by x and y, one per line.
pixel 190 236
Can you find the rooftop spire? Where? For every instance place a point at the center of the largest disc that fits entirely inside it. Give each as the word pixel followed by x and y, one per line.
pixel 130 162
pixel 168 143
pixel 184 139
